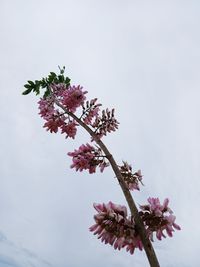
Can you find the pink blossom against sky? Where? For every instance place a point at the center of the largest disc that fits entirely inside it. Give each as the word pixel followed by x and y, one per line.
pixel 141 58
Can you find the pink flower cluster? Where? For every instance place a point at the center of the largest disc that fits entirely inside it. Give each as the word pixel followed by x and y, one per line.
pixel 87 157
pixel 73 97
pixel 58 89
pixel 132 179
pixel 55 120
pixel 105 123
pixel 53 124
pixel 158 218
pixel 115 228
pixel 46 107
pixel 90 111
pixel 102 124
pixel 69 128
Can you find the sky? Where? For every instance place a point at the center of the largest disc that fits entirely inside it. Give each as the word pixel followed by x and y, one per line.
pixel 143 59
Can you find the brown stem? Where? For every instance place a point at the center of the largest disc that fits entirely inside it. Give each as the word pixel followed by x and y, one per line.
pixel 153 261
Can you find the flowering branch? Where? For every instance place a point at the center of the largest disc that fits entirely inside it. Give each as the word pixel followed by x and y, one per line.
pixel 112 224
pixel 134 211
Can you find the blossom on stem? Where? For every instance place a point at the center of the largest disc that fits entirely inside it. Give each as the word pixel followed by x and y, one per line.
pixel 132 180
pixel 55 119
pixel 69 128
pixel 58 89
pixel 105 123
pixel 46 107
pixel 53 124
pixel 114 227
pixel 73 97
pixel 157 218
pixel 87 157
pixel 52 116
pixel 90 111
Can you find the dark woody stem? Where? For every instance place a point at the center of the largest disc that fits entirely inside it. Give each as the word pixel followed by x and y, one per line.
pixel 153 261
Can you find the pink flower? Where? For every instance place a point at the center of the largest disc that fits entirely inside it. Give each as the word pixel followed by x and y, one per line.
pixel 103 165
pixel 70 129
pixel 54 119
pixel 88 157
pixel 73 97
pixel 105 123
pixel 53 124
pixel 112 226
pixel 83 158
pixel 46 108
pixel 91 111
pixel 131 179
pixel 171 225
pixel 115 228
pixel 158 218
pixel 58 89
pixel 155 205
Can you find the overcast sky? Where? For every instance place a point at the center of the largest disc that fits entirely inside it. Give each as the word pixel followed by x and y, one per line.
pixel 141 57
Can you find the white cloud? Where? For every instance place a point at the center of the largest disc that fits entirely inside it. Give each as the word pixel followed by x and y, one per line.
pixel 13 256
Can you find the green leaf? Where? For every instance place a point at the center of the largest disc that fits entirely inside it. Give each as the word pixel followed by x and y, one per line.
pixel 62 70
pixel 61 78
pixel 26 92
pixel 67 81
pixel 44 83
pixel 51 77
pixel 31 83
pixel 47 93
pixel 37 87
pixel 53 74
pixel 28 86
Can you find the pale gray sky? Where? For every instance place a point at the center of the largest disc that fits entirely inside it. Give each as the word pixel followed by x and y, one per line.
pixel 141 57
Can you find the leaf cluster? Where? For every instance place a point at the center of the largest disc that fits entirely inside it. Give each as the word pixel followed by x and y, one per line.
pixel 44 83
